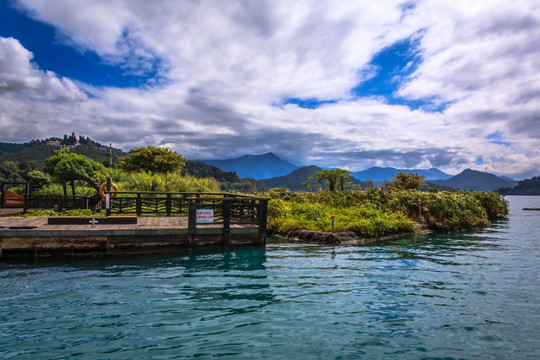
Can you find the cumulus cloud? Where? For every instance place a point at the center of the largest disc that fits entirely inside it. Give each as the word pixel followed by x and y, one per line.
pixel 19 77
pixel 222 69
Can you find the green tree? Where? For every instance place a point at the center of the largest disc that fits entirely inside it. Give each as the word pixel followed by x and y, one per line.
pixel 405 181
pixel 38 179
pixel 71 162
pixel 154 159
pixel 332 178
pixel 9 171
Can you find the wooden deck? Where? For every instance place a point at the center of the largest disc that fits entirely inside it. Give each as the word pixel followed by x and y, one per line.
pixel 10 211
pixel 33 237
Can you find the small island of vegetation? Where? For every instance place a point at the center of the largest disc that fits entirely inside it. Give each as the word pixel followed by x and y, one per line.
pixel 400 208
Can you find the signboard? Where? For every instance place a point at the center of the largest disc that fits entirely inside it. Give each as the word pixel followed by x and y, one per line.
pixel 205 216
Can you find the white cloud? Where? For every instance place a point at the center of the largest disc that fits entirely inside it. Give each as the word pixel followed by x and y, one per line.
pixel 228 63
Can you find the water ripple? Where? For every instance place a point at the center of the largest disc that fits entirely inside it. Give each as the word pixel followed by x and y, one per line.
pixel 466 295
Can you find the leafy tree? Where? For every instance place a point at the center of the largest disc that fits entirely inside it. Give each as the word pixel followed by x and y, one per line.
pixel 332 178
pixel 9 171
pixel 154 159
pixel 38 179
pixel 405 181
pixel 80 164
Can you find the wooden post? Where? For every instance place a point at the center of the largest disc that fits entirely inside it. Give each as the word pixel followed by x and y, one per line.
pixel 226 223
pixel 192 222
pixel 26 200
pixel 168 204
pixel 261 213
pixel 138 205
pixel 109 197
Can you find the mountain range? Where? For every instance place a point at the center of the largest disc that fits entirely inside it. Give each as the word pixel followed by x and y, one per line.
pixel 381 174
pixel 271 170
pixel 263 166
pixel 296 179
pixel 285 174
pixel 477 181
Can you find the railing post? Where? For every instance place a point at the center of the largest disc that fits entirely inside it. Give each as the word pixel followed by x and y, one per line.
pixel 226 222
pixel 26 200
pixel 138 205
pixel 192 221
pixel 261 214
pixel 108 205
pixel 168 204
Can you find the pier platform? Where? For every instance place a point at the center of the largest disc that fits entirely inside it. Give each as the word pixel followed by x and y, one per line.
pixel 37 237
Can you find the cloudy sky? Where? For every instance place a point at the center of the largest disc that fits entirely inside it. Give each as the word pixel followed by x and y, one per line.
pixel 451 84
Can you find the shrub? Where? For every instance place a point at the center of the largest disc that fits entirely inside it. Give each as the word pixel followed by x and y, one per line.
pixel 375 212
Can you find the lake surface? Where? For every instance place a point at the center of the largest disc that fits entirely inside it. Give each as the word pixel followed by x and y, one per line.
pixel 464 295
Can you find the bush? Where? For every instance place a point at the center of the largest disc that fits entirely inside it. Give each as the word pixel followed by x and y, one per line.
pixel 375 212
pixel 173 182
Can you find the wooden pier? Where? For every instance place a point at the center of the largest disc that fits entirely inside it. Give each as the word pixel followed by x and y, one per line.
pixel 236 222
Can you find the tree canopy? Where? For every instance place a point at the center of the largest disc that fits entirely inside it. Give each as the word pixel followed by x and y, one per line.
pixel 332 178
pixel 64 161
pixel 154 159
pixel 405 181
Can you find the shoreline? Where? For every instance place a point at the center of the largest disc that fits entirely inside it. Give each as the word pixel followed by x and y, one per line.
pixel 342 238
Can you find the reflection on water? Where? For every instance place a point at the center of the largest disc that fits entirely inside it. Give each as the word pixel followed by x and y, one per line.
pixel 470 294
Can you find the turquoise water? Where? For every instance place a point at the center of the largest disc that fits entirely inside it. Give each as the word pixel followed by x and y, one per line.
pixel 466 295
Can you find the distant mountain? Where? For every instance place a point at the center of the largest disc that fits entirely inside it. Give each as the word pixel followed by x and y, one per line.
pixel 476 181
pixel 524 187
pixel 380 174
pixel 230 181
pixel 263 166
pixel 294 181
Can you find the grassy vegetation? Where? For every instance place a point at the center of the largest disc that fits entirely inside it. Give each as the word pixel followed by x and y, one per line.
pixel 171 182
pixel 47 213
pixel 376 212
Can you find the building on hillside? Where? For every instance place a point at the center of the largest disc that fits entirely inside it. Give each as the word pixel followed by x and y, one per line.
pixel 54 143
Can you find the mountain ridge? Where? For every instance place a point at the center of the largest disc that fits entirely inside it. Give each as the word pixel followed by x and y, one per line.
pixel 263 166
pixel 475 180
pixel 294 181
pixel 377 173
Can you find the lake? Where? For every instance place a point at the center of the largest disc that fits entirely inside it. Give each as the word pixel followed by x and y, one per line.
pixel 460 295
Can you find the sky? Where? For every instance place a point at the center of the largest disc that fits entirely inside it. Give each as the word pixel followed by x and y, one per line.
pixel 451 84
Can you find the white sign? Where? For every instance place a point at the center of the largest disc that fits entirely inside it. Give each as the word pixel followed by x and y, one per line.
pixel 205 216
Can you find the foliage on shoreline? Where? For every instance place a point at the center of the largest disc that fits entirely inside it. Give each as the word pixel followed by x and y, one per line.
pixel 376 212
pixel 524 187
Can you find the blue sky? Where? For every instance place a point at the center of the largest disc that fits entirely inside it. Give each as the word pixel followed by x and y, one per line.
pixel 408 84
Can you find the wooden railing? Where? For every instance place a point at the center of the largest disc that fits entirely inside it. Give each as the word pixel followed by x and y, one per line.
pixel 227 208
pixel 55 202
pixel 241 209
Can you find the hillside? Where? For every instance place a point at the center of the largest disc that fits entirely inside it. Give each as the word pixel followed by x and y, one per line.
pixel 263 166
pixel 381 174
pixel 39 150
pixel 524 187
pixel 294 181
pixel 229 180
pixel 476 181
